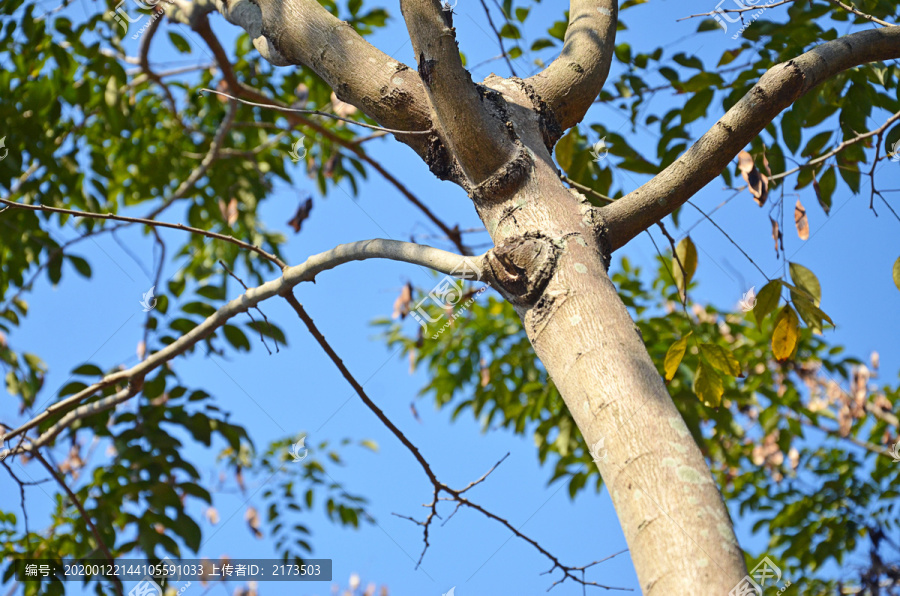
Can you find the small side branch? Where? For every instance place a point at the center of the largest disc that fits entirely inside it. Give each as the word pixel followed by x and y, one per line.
pixel 478 138
pixel 438 486
pixel 407 252
pixel 777 89
pixel 572 82
pixel 117 583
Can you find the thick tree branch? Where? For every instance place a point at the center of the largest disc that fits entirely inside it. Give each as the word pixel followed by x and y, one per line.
pixel 778 88
pixel 473 130
pixel 201 26
pixel 407 252
pixel 302 32
pixel 571 83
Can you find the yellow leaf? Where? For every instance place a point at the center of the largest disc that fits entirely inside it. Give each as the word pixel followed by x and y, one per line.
pixel 786 333
pixel 708 385
pixel 674 355
pixel 897 273
pixel 721 359
pixel 687 258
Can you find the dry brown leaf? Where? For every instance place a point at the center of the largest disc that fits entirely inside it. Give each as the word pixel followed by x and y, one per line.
pixel 401 304
pixel 776 236
pixel 300 216
pixel 252 517
pixel 229 211
pixel 801 221
pixel 757 182
pixel 859 384
pixel 745 162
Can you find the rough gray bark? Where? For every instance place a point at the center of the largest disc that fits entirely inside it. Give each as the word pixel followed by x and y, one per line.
pixel 552 247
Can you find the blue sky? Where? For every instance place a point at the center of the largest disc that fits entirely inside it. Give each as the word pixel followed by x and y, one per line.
pixel 299 390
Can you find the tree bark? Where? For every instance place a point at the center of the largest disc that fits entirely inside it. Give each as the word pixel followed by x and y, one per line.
pixel 550 260
pixel 552 247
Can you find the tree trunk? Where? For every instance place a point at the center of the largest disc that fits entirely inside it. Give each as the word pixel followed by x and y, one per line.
pixel 550 261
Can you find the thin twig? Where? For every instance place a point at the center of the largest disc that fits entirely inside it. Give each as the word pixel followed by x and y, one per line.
pixel 438 485
pixel 117 583
pixel 318 113
pixel 148 222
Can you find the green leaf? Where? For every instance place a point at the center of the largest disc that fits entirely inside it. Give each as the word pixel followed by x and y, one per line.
pixel 696 106
pixel 687 255
pixel 721 359
pixel 811 314
pixel 767 300
pixel 236 338
pixel 786 333
pixel 180 43
pixel 88 370
pixel 824 188
pixel 708 385
pixel 81 266
pixel 807 281
pixel 674 355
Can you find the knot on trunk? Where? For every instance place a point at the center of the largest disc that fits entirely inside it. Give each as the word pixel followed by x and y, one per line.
pixel 521 266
